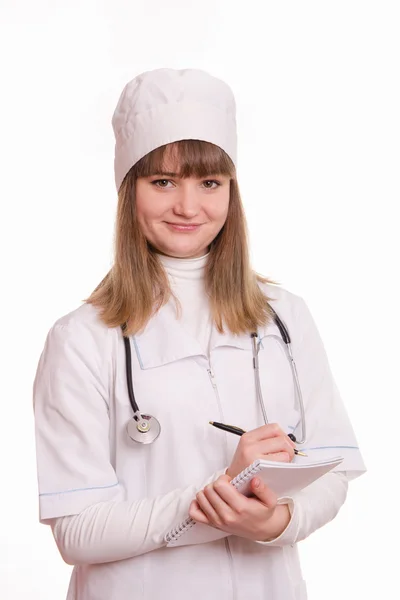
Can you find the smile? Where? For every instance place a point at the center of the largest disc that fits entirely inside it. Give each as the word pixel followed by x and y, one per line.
pixel 184 228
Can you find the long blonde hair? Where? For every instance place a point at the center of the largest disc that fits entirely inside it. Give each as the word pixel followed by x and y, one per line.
pixel 137 286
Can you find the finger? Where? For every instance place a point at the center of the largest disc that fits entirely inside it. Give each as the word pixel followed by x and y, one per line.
pixel 197 514
pixel 277 444
pixel 223 477
pixel 279 457
pixel 230 495
pixel 208 509
pixel 263 493
pixel 268 432
pixel 216 501
pixel 264 432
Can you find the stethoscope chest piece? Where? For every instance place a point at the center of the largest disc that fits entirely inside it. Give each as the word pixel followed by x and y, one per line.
pixel 143 430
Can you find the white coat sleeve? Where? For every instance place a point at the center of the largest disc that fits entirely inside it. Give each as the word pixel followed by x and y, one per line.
pixel 329 433
pixel 116 530
pixel 75 474
pixel 312 508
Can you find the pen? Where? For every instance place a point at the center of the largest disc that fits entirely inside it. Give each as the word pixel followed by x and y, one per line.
pixel 240 431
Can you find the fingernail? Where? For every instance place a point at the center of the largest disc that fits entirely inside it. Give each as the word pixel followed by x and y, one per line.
pixel 256 482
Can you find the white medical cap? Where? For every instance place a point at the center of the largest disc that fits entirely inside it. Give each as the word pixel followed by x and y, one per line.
pixel 166 105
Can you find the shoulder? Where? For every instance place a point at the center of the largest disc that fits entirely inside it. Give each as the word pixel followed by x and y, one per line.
pixel 80 345
pixel 284 302
pixel 77 355
pixel 86 315
pixel 83 324
pixel 292 309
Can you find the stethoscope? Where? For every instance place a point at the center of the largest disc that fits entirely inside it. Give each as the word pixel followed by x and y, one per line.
pixel 145 429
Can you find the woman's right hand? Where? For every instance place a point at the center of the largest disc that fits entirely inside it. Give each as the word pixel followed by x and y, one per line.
pixel 269 442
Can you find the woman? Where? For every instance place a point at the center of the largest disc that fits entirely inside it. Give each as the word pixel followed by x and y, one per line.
pixel 181 289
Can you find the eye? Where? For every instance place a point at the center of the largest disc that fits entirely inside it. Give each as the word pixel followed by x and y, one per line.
pixel 211 184
pixel 161 183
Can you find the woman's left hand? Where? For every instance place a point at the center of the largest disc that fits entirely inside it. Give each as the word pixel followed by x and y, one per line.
pixel 221 506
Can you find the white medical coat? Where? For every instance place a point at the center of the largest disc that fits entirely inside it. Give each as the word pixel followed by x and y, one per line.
pixel 84 456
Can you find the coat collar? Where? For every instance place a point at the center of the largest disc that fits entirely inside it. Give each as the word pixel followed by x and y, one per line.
pixel 164 340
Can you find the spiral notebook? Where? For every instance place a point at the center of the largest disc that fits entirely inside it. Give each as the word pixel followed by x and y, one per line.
pixel 284 478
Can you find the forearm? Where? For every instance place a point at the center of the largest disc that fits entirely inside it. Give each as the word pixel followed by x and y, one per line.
pixel 310 510
pixel 116 530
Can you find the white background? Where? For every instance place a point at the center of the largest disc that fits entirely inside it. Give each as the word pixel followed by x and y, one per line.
pixel 317 89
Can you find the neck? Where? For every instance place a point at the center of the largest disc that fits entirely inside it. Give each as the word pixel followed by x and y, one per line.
pixel 184 269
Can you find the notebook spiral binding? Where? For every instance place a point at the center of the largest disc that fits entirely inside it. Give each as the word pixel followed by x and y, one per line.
pixel 188 523
pixel 176 533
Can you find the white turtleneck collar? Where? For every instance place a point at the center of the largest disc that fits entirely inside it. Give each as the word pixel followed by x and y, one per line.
pixel 186 277
pixel 182 270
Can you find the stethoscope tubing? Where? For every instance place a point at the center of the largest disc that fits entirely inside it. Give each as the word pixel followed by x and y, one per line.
pixel 255 348
pixel 129 381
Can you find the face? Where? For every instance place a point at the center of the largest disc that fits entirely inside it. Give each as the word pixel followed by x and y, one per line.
pixel 181 217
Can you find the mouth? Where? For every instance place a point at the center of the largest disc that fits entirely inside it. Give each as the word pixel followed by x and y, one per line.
pixel 184 226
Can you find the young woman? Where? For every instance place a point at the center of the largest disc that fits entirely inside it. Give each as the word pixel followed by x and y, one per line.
pixel 178 310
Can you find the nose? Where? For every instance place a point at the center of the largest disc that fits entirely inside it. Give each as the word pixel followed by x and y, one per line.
pixel 187 202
